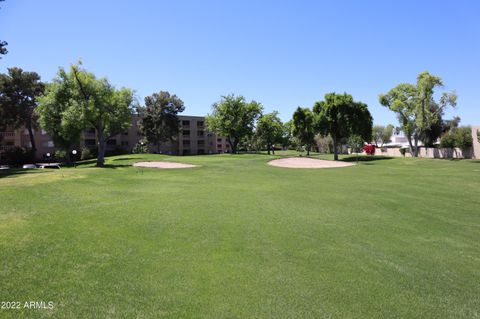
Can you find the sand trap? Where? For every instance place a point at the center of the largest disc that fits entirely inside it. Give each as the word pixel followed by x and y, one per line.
pixel 164 165
pixel 305 162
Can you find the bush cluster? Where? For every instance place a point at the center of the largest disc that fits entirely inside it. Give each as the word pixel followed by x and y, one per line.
pixel 369 149
pixel 16 156
pixel 460 138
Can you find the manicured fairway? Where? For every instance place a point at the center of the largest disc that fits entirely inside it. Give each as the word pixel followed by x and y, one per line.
pixel 236 238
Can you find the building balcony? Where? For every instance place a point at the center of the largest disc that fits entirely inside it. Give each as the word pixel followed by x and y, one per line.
pixel 6 147
pixel 7 134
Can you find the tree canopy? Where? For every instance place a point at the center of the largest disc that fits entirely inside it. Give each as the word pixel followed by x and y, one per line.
pixel 416 109
pixel 340 117
pixel 303 127
pixel 270 130
pixel 98 104
pixel 160 118
pixel 234 118
pixel 19 91
pixel 59 114
pixel 382 134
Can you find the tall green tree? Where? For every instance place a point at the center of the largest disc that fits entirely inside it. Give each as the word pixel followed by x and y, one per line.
pixel 287 136
pixel 59 114
pixel 234 118
pixel 160 118
pixel 19 91
pixel 270 130
pixel 303 127
pixel 103 107
pixel 340 117
pixel 96 102
pixel 416 108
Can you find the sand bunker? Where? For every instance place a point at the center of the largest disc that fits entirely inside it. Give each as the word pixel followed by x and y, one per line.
pixel 164 165
pixel 305 162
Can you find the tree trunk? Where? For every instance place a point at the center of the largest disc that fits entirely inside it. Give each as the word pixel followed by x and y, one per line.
pixel 335 150
pixel 158 147
pixel 233 145
pixel 415 139
pixel 32 140
pixel 409 139
pixel 101 147
pixel 268 148
pixel 68 158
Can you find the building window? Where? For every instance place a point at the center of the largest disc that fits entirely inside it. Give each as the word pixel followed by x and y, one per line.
pixel 200 152
pixel 139 133
pixel 219 140
pixel 199 133
pixel 186 122
pixel 124 143
pixel 219 145
pixel 201 142
pixel 186 152
pixel 200 123
pixel 112 142
pixel 186 142
pixel 90 131
pixel 125 133
pixel 186 133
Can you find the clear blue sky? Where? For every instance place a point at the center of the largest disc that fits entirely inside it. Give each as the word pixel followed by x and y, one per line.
pixel 280 53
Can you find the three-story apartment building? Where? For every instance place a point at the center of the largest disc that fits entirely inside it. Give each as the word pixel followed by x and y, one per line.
pixel 194 138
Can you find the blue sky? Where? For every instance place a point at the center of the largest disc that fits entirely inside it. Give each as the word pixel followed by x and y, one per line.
pixel 283 54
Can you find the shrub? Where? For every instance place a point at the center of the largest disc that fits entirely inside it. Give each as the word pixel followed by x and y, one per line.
pixel 17 156
pixel 86 154
pixel 448 140
pixel 60 154
pixel 355 142
pixel 463 137
pixel 140 148
pixel 403 151
pixel 116 151
pixel 369 149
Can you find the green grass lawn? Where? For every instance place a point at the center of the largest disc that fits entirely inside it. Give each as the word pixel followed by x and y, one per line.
pixel 235 238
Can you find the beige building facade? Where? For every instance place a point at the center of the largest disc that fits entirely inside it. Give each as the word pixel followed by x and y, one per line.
pixel 476 142
pixel 193 139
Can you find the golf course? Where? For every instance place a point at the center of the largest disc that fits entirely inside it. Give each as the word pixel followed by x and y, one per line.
pixel 233 237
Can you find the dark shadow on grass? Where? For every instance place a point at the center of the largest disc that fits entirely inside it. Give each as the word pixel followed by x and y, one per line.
pixel 16 172
pixel 126 159
pixel 86 162
pixel 365 158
